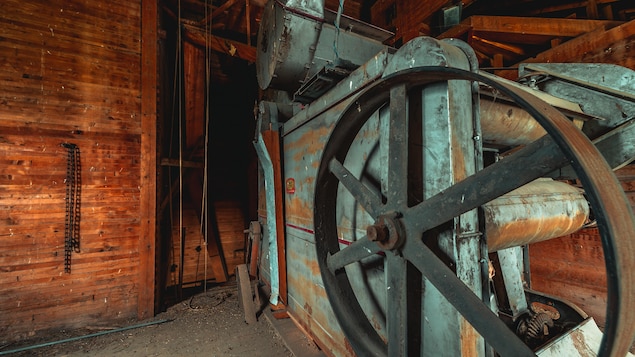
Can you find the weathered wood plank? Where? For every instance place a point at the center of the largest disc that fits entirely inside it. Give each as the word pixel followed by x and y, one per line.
pixel 78 25
pixel 534 25
pixel 194 252
pixel 218 44
pixel 194 68
pixel 47 272
pixel 615 46
pixel 80 307
pixel 245 295
pixel 70 71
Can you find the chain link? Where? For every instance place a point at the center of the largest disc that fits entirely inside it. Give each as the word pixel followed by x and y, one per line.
pixel 73 189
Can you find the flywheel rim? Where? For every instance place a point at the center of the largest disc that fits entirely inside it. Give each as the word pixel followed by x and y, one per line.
pixel 604 193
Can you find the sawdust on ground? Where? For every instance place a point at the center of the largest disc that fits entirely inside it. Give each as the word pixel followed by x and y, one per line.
pixel 207 324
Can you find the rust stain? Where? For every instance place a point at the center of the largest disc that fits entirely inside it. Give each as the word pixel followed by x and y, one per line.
pixel 580 345
pixel 305 283
pixel 349 348
pixel 459 169
pixel 376 323
pixel 378 328
pixel 310 143
pixel 296 206
pixel 551 311
pixel 469 338
pixel 508 125
pixel 314 322
pixel 535 212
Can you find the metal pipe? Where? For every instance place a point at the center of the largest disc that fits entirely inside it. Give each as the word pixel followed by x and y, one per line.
pixel 540 210
pixel 2 353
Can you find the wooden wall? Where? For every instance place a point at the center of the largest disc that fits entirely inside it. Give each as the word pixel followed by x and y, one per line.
pixel 230 223
pixel 70 72
pixel 572 267
pixel 406 18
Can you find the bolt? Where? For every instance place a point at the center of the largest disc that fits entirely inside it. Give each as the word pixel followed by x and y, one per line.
pixel 377 233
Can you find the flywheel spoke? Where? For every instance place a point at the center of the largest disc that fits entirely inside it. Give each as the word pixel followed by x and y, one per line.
pixel 364 196
pixel 495 332
pixel 396 297
pixel 398 228
pixel 355 252
pixel 397 176
pixel 526 165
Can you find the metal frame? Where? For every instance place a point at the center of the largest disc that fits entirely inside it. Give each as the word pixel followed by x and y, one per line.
pixel 564 144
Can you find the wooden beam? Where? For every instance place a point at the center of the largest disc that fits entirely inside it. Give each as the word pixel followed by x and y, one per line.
pixel 492 51
pixel 411 13
pixel 233 48
pixel 148 179
pixel 248 22
pixel 245 294
pixel 194 85
pixel 221 9
pixel 217 12
pixel 457 31
pixel 612 46
pixel 497 60
pixel 499 47
pixel 528 26
pixel 557 7
pixel 234 18
pixel 592 9
pixel 184 163
pixel 538 26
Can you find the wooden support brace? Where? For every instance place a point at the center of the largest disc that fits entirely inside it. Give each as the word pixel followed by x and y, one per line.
pixel 245 295
pixel 148 180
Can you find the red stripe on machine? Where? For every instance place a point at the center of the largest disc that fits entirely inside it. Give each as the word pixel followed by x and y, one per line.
pixel 300 228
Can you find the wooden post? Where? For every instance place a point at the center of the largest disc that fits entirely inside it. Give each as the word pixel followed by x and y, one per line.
pixel 148 179
pixel 245 298
pixel 497 60
pixel 194 84
pixel 248 22
pixel 254 238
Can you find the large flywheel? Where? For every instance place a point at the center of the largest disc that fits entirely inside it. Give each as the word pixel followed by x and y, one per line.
pixel 397 237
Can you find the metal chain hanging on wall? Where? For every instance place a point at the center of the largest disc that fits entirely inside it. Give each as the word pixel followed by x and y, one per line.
pixel 73 190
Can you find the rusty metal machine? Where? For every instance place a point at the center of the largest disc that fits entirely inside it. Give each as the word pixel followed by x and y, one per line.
pixel 401 187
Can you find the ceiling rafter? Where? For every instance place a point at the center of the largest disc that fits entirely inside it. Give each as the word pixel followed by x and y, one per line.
pixel 503 40
pixel 229 47
pixel 218 11
pixel 528 26
pixel 589 47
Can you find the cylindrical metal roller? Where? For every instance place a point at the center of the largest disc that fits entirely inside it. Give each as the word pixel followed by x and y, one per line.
pixel 507 125
pixel 541 210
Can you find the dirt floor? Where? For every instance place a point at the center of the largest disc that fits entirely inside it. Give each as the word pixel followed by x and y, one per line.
pixel 207 324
